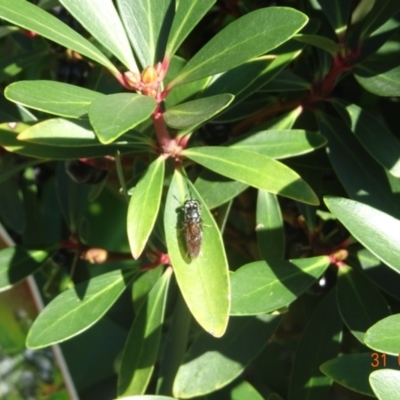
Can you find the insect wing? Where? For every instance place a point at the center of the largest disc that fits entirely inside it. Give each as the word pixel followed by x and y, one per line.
pixel 193 237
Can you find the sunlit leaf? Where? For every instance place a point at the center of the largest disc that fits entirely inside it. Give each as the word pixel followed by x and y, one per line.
pixel 77 309
pixel 205 277
pixel 144 205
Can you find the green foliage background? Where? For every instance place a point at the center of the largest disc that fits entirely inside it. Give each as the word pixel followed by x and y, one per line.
pixel 280 119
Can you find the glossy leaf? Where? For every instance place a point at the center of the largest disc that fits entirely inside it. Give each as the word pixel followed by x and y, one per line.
pixel 28 16
pixel 8 139
pixel 379 79
pixel 384 336
pixel 250 36
pixel 147 24
pixel 61 132
pixel 141 347
pixel 280 143
pixel 245 108
pixel 387 279
pixel 144 205
pixel 321 42
pixel 253 169
pixel 360 303
pixel 269 227
pixel 77 309
pixel 375 137
pixel 113 115
pixel 205 277
pixel 103 22
pixel 216 189
pixel 238 79
pixel 180 93
pixel 385 383
pixel 284 54
pixel 352 370
pixel 17 263
pixel 195 112
pixel 320 342
pixel 245 390
pixel 187 15
pixel 52 97
pixel 261 287
pixel 376 230
pixel 363 179
pixel 337 12
pixel 379 14
pixel 216 362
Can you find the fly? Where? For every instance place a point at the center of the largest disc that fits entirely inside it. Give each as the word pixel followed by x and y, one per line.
pixel 192 226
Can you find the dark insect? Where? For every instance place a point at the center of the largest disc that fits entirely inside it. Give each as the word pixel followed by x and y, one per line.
pixel 192 227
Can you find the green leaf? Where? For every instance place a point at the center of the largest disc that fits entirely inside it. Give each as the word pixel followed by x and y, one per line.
pixel 253 169
pixel 320 342
pixel 280 143
pixel 261 287
pixel 8 139
pixel 286 81
pixel 321 42
pixel 147 397
pixel 7 30
pixel 381 12
pixel 77 309
pixel 147 24
pixel 180 93
pixel 141 347
pixel 103 22
pixel 374 136
pixel 61 132
pixel 387 279
pixel 250 36
pixel 205 277
pixel 187 15
pixel 175 346
pixel 380 79
pixel 238 79
pixel 245 391
pixel 269 227
pixel 377 231
pixel 361 176
pixel 385 383
pixel 10 171
pixel 360 303
pixel 245 108
pixel 28 16
pixel 384 336
pixel 16 263
pixel 11 66
pixel 216 189
pixel 337 12
pixel 52 97
pixel 195 112
pixel 113 115
pixel 352 370
pixel 216 362
pixel 144 205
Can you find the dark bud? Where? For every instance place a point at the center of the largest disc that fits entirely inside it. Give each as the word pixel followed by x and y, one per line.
pixel 81 172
